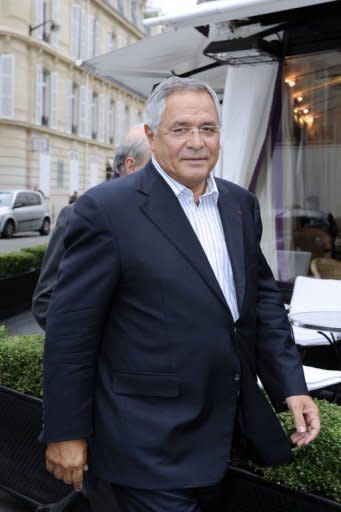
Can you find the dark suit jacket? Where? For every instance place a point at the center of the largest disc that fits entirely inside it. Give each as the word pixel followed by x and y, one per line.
pixel 49 269
pixel 142 355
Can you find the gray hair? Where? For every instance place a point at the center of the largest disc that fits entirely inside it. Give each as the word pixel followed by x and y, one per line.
pixel 156 102
pixel 137 148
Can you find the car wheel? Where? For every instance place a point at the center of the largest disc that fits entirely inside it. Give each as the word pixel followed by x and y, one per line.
pixel 45 228
pixel 8 230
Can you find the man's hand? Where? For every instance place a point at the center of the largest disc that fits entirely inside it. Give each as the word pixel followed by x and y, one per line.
pixel 306 418
pixel 66 460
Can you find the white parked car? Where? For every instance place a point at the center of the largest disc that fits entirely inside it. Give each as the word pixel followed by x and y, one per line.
pixel 23 210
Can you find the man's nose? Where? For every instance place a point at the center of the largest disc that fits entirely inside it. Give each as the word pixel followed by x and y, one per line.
pixel 195 140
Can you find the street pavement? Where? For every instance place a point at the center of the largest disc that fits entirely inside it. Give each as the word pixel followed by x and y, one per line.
pixel 22 240
pixel 23 323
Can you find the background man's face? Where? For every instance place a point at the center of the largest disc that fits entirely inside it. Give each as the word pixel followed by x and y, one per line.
pixel 188 161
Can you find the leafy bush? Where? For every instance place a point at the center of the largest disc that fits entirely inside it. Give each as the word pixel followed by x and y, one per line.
pixel 13 263
pixel 316 468
pixel 38 252
pixel 21 362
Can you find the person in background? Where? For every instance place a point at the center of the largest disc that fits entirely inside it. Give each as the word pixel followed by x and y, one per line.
pixel 73 197
pixel 132 154
pixel 163 315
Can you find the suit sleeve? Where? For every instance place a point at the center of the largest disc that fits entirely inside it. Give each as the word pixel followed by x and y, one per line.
pixel 49 269
pixel 76 317
pixel 278 362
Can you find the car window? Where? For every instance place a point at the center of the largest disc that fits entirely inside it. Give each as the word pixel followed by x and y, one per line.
pixel 6 198
pixel 21 199
pixel 33 199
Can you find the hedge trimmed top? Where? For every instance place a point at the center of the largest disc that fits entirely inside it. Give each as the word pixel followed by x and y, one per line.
pixel 18 262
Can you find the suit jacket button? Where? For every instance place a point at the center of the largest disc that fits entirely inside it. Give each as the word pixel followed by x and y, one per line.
pixel 235 329
pixel 236 377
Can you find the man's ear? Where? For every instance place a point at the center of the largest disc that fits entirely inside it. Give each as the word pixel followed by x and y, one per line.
pixel 130 164
pixel 150 135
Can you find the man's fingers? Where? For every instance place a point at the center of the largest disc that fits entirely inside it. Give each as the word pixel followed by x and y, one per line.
pixel 306 418
pixel 77 479
pixel 70 476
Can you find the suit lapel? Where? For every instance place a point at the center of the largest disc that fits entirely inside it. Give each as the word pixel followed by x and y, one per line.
pixel 231 217
pixel 164 210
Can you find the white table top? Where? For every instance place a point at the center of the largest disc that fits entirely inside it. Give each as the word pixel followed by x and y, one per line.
pixel 322 320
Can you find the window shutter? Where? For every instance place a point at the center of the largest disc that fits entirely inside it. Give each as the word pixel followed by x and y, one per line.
pixel 84 29
pixel 75 30
pixel 39 93
pixel 69 95
pixel 120 121
pixel 7 86
pixel 83 111
pixel 101 103
pixel 97 39
pixel 91 36
pixel 39 18
pixel 55 18
pixel 90 100
pixel 110 45
pixel 54 88
pixel 108 120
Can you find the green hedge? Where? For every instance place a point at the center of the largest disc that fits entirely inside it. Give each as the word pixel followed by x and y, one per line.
pixel 316 468
pixel 21 362
pixel 13 263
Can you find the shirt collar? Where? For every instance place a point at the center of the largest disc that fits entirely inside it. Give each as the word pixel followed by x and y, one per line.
pixel 179 188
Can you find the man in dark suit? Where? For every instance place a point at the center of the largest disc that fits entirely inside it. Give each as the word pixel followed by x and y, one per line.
pixel 131 155
pixel 164 314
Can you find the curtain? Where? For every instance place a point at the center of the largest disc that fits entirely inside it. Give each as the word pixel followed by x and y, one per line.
pixel 245 119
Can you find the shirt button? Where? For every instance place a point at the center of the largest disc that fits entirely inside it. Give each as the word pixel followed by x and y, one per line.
pixel 236 377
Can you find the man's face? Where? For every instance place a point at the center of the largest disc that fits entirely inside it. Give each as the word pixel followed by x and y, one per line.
pixel 188 160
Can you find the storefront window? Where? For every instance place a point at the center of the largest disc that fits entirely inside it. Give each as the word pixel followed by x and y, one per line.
pixel 300 180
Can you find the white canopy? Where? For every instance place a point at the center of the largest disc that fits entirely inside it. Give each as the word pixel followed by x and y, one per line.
pixel 143 64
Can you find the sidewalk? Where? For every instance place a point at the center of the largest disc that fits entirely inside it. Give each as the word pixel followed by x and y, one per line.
pixel 23 323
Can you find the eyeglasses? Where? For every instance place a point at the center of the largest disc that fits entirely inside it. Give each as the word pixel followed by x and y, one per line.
pixel 206 132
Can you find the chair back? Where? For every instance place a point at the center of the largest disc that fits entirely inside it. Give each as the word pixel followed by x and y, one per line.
pixel 326 268
pixel 310 294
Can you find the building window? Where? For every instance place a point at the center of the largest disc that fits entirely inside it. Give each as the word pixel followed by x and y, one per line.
pixel 111 41
pixel 6 85
pixel 46 10
pixel 122 7
pixel 85 34
pixel 45 96
pixel 110 112
pixel 134 12
pixel 60 173
pixel 93 115
pixel 72 103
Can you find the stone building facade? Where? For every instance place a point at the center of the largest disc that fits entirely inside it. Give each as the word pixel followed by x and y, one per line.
pixel 59 123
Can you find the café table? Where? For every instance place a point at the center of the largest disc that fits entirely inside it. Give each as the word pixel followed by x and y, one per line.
pixel 326 323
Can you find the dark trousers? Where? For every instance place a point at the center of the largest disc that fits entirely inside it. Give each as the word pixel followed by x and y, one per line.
pixel 106 497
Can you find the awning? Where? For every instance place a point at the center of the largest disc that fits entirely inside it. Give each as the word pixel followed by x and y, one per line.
pixel 140 66
pixel 179 50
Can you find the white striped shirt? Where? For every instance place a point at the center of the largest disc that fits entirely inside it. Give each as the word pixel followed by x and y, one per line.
pixel 206 223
